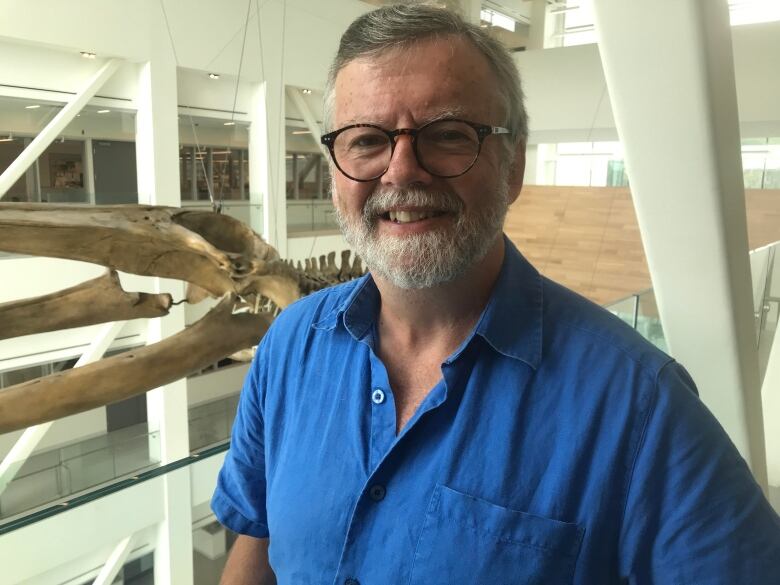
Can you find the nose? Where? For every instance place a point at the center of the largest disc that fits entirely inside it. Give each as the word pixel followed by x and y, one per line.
pixel 404 170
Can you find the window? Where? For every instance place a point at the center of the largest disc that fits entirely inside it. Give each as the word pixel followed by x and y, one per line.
pixel 220 169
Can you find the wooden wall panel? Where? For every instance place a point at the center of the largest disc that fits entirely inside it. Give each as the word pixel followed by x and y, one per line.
pixel 587 238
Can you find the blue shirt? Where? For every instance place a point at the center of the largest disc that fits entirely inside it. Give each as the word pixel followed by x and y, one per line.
pixel 558 447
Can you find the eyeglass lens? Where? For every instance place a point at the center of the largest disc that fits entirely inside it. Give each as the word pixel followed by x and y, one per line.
pixel 446 148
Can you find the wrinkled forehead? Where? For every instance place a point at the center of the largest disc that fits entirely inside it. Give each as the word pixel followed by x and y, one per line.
pixel 443 71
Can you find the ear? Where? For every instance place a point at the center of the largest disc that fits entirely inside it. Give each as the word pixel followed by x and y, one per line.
pixel 516 173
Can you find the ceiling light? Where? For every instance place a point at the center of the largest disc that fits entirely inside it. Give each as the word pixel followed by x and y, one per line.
pixel 229 124
pixel 103 111
pixel 10 138
pixel 88 55
pixel 306 91
pixel 301 131
pixel 32 107
pixel 213 75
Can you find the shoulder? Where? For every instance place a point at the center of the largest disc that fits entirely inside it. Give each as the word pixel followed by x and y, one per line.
pixel 311 310
pixel 582 330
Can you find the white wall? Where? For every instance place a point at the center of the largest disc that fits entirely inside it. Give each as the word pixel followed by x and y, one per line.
pixel 567 100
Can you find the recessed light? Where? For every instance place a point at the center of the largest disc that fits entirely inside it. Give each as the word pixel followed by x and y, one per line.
pixel 229 124
pixel 306 91
pixel 103 111
pixel 32 107
pixel 88 55
pixel 213 75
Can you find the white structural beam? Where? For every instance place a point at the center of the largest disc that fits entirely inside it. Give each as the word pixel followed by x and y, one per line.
pixel 267 169
pixel 670 73
pixel 115 562
pixel 54 128
pixel 308 118
pixel 157 160
pixel 31 437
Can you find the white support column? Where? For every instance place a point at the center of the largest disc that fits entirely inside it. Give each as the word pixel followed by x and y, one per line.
pixel 115 562
pixel 670 73
pixel 31 437
pixel 54 128
pixel 267 180
pixel 308 118
pixel 157 156
pixel 538 32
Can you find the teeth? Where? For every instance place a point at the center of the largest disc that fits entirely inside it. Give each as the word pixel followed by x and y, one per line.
pixel 409 216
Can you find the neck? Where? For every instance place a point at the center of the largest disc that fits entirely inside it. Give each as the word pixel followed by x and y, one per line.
pixel 443 315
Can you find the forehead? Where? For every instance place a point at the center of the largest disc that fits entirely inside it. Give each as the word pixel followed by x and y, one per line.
pixel 418 82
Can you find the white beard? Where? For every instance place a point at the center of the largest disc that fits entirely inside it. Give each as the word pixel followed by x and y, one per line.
pixel 432 258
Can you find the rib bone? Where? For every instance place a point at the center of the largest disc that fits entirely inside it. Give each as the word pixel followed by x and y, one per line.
pixel 218 334
pixel 99 300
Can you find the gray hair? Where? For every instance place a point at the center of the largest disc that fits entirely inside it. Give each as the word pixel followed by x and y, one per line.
pixel 401 25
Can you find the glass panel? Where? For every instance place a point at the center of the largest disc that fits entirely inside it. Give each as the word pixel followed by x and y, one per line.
pixel 624 309
pixel 60 168
pixel 10 148
pixel 186 160
pixel 768 310
pixel 227 173
pixel 202 161
pixel 772 170
pixel 753 169
pixel 649 320
pixel 63 472
pixel 616 174
pixel 211 423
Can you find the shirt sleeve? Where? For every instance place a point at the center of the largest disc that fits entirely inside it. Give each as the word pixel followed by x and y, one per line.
pixel 694 513
pixel 239 499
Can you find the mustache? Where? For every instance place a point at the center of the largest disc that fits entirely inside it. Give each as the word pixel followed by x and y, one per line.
pixel 380 202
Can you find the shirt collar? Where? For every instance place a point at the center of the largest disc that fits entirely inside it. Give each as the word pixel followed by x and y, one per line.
pixel 511 323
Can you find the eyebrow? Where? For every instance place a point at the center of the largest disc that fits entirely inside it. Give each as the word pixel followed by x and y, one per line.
pixel 456 112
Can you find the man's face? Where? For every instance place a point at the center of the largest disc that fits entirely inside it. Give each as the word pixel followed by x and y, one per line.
pixel 411 228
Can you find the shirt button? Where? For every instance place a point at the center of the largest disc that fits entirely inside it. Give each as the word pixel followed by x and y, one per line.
pixel 351 582
pixel 377 492
pixel 378 396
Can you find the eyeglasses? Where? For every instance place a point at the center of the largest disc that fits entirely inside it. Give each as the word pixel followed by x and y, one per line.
pixel 444 148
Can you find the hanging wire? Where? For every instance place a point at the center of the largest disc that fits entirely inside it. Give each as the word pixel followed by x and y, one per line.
pixel 198 151
pixel 226 165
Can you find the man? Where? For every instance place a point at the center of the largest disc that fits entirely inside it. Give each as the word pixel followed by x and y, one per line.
pixel 456 418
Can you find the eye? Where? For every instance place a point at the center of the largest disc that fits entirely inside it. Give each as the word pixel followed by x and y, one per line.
pixel 366 140
pixel 450 134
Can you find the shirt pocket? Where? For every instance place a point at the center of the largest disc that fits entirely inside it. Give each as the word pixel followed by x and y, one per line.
pixel 471 541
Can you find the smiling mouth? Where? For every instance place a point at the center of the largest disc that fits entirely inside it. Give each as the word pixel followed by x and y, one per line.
pixel 402 216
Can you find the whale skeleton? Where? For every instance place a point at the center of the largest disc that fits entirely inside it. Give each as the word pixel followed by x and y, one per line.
pixel 218 256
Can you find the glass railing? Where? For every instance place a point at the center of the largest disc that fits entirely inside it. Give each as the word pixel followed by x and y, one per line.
pixel 304 215
pixel 641 313
pixel 75 500
pixel 310 216
pixel 211 423
pixel 56 475
pixel 61 473
pixel 765 269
